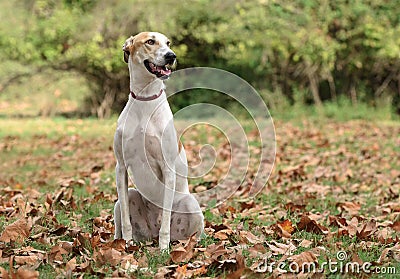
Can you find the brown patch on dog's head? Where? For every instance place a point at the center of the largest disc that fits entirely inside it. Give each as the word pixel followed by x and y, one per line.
pixel 133 43
pixel 129 47
pixel 144 44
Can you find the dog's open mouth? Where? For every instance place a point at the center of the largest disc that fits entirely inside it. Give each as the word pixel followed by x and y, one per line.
pixel 159 71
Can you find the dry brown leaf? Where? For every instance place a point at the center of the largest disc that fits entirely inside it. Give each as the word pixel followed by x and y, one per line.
pixel 162 272
pixel 17 231
pixel 28 260
pixel 107 256
pixel 310 225
pixel 215 250
pixel 351 207
pixel 303 259
pixel 249 238
pixel 223 234
pixel 185 253
pixel 240 266
pixel 71 264
pixel 4 273
pixel 337 221
pixel 280 231
pixel 199 271
pixel 384 257
pixel 257 251
pixel 396 226
pixel 180 272
pixel 367 230
pixel 295 207
pixel 305 243
pixel 129 263
pixel 117 244
pixel 281 249
pixel 23 273
pixel 287 226
pixel 356 259
pixel 56 253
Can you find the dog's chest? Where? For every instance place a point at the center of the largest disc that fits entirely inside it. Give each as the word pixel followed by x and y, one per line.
pixel 146 144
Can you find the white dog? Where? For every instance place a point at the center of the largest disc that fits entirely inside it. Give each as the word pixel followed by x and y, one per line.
pixel 147 147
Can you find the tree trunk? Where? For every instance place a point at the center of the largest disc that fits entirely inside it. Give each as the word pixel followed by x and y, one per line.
pixel 332 87
pixel 314 89
pixel 353 94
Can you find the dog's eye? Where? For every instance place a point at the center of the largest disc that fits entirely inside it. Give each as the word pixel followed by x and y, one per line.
pixel 150 42
pixel 168 43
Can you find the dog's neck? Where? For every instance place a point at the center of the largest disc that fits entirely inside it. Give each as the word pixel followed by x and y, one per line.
pixel 142 84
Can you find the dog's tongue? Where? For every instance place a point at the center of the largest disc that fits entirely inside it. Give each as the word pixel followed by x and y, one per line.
pixel 163 70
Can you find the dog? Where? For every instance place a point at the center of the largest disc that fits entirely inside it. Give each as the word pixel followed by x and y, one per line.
pixel 149 152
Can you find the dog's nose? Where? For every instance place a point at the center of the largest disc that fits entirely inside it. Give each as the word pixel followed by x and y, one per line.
pixel 170 57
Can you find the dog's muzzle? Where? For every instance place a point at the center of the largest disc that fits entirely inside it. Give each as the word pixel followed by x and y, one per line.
pixel 161 71
pixel 170 58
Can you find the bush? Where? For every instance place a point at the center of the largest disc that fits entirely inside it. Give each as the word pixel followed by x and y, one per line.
pixel 321 50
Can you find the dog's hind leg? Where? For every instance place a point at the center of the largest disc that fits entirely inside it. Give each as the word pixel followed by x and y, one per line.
pixel 137 217
pixel 186 218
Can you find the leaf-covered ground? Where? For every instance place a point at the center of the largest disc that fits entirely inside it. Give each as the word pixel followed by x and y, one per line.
pixel 333 198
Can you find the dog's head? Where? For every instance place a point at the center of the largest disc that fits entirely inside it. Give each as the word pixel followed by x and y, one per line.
pixel 150 50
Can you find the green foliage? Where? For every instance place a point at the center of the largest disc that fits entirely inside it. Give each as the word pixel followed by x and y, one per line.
pixel 319 49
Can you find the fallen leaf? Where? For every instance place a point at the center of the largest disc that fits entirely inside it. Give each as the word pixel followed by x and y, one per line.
pixel 4 273
pixel 107 256
pixel 287 226
pixel 117 244
pixel 23 273
pixel 215 250
pixel 367 230
pixel 71 264
pixel 281 249
pixel 305 243
pixel 249 238
pixel 17 231
pixel 310 225
pixel 223 234
pixel 180 272
pixel 56 253
pixel 240 266
pixel 304 259
pixel 185 253
pixel 351 207
pixel 28 260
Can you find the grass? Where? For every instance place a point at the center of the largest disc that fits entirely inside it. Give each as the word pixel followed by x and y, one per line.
pixel 54 128
pixel 38 153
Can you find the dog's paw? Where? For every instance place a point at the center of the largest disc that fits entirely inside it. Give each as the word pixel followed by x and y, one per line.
pixel 130 243
pixel 164 249
pixel 164 243
pixel 127 234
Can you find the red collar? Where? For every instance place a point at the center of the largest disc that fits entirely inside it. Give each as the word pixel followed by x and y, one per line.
pixel 146 98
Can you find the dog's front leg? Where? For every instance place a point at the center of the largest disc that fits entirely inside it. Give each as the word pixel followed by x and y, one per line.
pixel 123 198
pixel 169 193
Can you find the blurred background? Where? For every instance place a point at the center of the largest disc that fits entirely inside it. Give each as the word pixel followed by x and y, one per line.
pixel 64 58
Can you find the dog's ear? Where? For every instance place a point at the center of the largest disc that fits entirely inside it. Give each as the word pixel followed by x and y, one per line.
pixel 128 47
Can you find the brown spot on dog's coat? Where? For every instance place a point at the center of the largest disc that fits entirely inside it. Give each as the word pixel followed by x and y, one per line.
pixel 134 43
